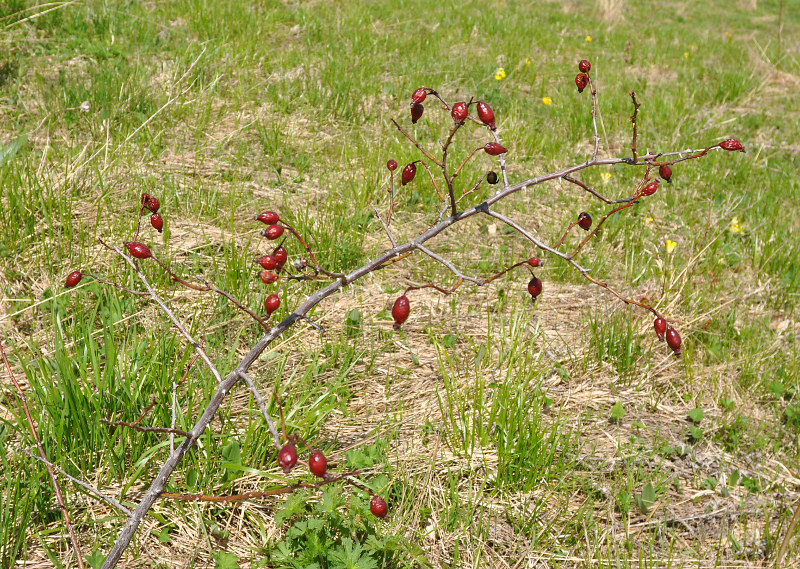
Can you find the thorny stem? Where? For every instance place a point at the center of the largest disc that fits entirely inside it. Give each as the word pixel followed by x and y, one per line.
pixel 636 106
pixel 59 497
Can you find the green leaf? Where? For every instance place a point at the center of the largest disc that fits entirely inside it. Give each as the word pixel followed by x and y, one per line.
pixel 646 499
pixel 225 560
pixel 695 434
pixel 696 415
pixel 617 412
pixel 96 559
pixel 10 150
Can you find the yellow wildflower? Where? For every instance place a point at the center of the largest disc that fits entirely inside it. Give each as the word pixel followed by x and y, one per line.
pixel 588 38
pixel 499 73
pixel 693 47
pixel 728 34
pixel 670 246
pixel 606 176
pixel 736 226
pixel 649 219
pixel 547 101
pixel 527 61
pixel 686 55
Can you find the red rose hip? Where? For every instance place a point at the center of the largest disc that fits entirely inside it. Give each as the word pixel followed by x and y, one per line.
pixel 419 95
pixel 581 81
pixel 585 66
pixel 674 340
pixel 416 112
pixel 273 232
pixel 408 173
pixel 271 304
pixel 268 277
pixel 287 457
pixel 73 279
pixel 459 112
pixel 153 204
pixel 268 217
pixel 650 188
pixel 157 222
pixel 535 287
pixel 535 262
pixel 731 144
pixel 139 250
pixel 268 262
pixel 661 327
pixel 486 114
pixel 318 464
pixel 494 149
pixel 281 256
pixel 378 507
pixel 391 165
pixel 400 311
pixel 585 221
pixel 665 172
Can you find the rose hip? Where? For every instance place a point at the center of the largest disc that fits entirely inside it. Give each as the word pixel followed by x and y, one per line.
pixel 491 177
pixel 584 66
pixel 674 340
pixel 287 457
pixel 494 149
pixel 318 464
pixel 73 279
pixel 581 81
pixel 650 188
pixel 273 232
pixel 585 221
pixel 665 172
pixel 271 304
pixel 268 277
pixel 459 112
pixel 268 262
pixel 157 222
pixel 416 112
pixel 268 217
pixel 535 287
pixel 419 95
pixel 408 173
pixel 281 256
pixel 731 144
pixel 486 114
pixel 378 507
pixel 152 204
pixel 661 327
pixel 138 250
pixel 400 311
pixel 391 164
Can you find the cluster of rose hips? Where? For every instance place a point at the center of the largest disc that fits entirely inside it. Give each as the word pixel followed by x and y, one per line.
pixel 318 466
pixel 582 78
pixel 274 262
pixel 459 111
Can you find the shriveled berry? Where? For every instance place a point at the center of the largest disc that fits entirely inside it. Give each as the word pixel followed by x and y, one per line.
pixel 535 287
pixel 535 262
pixel 408 173
pixel 650 188
pixel 459 112
pixel 581 81
pixel 486 114
pixel 584 66
pixel 665 172
pixel 268 277
pixel 391 164
pixel 157 222
pixel 268 217
pixel 400 311
pixel 494 148
pixel 419 95
pixel 153 204
pixel 416 112
pixel 272 303
pixel 378 507
pixel 273 232
pixel 585 221
pixel 731 144
pixel 281 256
pixel 661 327
pixel 491 177
pixel 73 279
pixel 268 262
pixel 139 250
pixel 674 340
pixel 287 457
pixel 318 464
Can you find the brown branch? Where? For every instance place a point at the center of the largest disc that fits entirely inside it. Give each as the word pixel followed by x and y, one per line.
pixel 597 227
pixel 141 429
pixel 591 191
pixel 636 106
pixel 417 144
pixel 62 505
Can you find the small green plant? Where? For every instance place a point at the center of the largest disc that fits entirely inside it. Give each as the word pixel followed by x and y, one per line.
pixel 617 413
pixel 646 499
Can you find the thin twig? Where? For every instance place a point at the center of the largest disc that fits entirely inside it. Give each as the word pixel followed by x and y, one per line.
pixel 594 119
pixel 592 191
pixel 449 265
pixel 635 114
pixel 263 406
pixel 62 505
pixel 386 228
pixel 88 487
pixel 418 145
pixel 141 429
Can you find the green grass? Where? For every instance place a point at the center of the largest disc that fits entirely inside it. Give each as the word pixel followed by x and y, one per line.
pixel 486 420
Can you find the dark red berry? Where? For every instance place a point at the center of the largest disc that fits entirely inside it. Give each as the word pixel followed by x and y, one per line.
pixel 731 144
pixel 416 112
pixel 585 221
pixel 73 279
pixel 145 197
pixel 661 327
pixel 318 464
pixel 392 165
pixel 650 188
pixel 419 95
pixel 585 66
pixel 268 262
pixel 408 173
pixel 287 457
pixel 665 172
pixel 535 262
pixel 273 232
pixel 491 177
pixel 400 311
pixel 494 148
pixel 674 340
pixel 486 114
pixel 157 222
pixel 459 112
pixel 581 81
pixel 153 204
pixel 268 277
pixel 281 256
pixel 272 303
pixel 535 287
pixel 378 507
pixel 139 250
pixel 268 217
